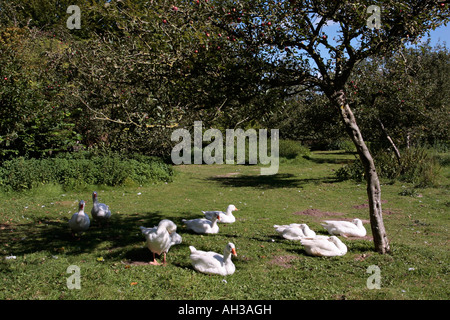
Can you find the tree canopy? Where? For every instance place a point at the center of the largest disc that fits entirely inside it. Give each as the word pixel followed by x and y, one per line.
pixel 137 69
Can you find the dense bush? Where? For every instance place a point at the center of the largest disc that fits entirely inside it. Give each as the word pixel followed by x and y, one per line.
pixel 80 170
pixel 418 166
pixel 291 149
pixel 352 171
pixel 342 144
pixel 287 149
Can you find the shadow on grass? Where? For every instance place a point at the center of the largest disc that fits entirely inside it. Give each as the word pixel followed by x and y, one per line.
pixel 285 180
pixel 330 157
pixel 54 236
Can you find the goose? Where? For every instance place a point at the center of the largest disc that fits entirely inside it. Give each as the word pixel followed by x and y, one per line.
pixel 203 225
pixel 79 222
pixel 324 246
pixel 294 231
pixel 100 211
pixel 160 238
pixel 175 238
pixel 210 262
pixel 225 217
pixel 353 228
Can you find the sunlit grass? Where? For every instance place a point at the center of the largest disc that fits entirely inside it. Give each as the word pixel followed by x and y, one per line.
pixel 112 259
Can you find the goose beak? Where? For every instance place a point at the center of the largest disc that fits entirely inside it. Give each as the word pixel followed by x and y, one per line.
pixel 233 251
pixel 236 209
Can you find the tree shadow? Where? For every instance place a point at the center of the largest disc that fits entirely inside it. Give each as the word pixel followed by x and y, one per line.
pixel 327 157
pixel 285 180
pixel 55 236
pixel 359 245
pixel 298 250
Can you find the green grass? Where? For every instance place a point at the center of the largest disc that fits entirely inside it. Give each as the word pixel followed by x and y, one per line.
pixel 33 227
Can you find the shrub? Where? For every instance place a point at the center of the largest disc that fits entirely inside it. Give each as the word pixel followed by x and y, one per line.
pixel 288 149
pixel 78 171
pixel 418 166
pixel 291 149
pixel 352 171
pixel 443 159
pixel 411 192
pixel 342 144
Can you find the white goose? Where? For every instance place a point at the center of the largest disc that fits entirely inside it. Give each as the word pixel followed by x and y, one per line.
pixel 160 238
pixel 100 211
pixel 225 217
pixel 203 225
pixel 353 228
pixel 210 262
pixel 294 231
pixel 324 246
pixel 79 222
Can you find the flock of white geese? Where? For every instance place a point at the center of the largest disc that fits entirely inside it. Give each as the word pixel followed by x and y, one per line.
pixel 161 238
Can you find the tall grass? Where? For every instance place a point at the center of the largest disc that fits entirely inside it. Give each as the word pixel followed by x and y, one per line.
pixel 418 165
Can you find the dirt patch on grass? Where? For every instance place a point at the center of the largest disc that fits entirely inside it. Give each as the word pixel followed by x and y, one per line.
pixel 283 261
pixel 317 213
pixel 389 212
pixel 361 206
pixel 385 211
pixel 362 257
pixel 66 203
pixel 366 205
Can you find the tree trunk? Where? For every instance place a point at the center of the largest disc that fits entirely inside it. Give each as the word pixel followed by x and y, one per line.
pixel 408 135
pixel 388 137
pixel 373 183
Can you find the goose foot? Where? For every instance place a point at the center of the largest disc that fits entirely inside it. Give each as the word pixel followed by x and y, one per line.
pixel 154 262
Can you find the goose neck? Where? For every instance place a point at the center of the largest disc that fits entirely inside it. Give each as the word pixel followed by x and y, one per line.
pixel 226 256
pixel 162 227
pixel 341 246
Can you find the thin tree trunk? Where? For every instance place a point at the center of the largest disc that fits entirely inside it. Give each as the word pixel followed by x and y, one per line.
pixel 388 137
pixel 373 183
pixel 408 135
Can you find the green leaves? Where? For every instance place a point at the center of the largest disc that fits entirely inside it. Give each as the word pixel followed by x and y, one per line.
pixel 82 170
pixel 135 70
pixel 408 92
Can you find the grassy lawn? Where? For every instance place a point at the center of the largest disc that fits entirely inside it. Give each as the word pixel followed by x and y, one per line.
pixel 112 260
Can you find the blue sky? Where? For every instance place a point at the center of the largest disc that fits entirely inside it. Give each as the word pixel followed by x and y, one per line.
pixel 442 35
pixel 439 36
